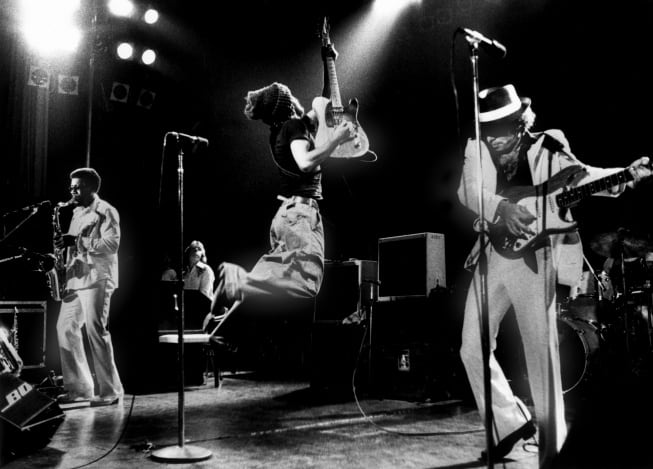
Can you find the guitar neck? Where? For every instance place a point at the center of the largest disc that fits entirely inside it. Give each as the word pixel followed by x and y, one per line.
pixel 333 83
pixel 572 196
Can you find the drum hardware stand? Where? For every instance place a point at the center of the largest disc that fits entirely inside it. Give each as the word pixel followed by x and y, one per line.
pixel 624 301
pixel 600 288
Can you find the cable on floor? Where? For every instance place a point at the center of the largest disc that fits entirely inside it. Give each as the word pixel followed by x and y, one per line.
pixel 390 430
pixel 115 445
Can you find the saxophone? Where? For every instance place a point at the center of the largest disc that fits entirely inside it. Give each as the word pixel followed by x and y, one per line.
pixel 57 276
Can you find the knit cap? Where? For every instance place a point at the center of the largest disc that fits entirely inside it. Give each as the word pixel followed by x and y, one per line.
pixel 272 104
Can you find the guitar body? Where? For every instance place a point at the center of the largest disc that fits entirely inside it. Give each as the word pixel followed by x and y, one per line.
pixel 329 117
pixel 331 112
pixel 550 218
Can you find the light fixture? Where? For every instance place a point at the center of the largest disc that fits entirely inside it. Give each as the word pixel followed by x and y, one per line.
pixel 146 99
pixel 49 25
pixel 148 57
pixel 121 7
pixel 151 16
pixel 119 92
pixel 125 50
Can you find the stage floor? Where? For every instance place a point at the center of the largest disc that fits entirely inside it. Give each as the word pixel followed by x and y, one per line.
pixel 249 422
pixel 252 421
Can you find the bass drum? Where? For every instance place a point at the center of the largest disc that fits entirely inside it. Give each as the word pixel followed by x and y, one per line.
pixel 579 349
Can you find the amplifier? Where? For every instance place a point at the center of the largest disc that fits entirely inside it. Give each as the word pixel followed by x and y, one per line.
pixel 27 319
pixel 411 265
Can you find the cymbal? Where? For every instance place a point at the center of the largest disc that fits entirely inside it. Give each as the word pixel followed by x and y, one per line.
pixel 608 244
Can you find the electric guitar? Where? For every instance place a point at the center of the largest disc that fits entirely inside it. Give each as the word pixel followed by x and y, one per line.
pixel 330 113
pixel 549 202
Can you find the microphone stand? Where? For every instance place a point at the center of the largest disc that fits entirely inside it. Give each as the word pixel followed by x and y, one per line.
pixel 181 452
pixel 482 262
pixel 33 211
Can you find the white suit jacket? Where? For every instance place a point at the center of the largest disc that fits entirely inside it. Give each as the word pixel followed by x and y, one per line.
pixel 550 145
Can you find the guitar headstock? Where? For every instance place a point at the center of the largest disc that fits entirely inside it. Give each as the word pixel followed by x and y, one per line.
pixel 326 41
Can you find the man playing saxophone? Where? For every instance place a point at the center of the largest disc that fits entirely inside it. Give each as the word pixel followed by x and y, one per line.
pixel 91 246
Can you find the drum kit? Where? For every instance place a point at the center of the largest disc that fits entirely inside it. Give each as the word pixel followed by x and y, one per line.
pixel 606 322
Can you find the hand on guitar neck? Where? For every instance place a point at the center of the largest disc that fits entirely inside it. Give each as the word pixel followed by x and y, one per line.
pixel 329 52
pixel 640 169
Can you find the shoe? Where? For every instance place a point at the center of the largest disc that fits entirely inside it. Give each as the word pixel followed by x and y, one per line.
pixel 505 446
pixel 98 401
pixel 356 317
pixel 68 401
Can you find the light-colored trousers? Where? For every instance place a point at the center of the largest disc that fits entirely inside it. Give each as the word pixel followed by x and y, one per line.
pixel 294 266
pixel 89 306
pixel 513 282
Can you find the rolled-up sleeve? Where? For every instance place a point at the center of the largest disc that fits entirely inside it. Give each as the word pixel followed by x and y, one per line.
pixel 107 240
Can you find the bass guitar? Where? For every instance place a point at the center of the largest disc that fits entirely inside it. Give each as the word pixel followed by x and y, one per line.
pixel 330 112
pixel 549 202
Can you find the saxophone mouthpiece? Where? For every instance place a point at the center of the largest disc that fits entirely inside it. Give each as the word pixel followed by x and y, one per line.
pixel 66 203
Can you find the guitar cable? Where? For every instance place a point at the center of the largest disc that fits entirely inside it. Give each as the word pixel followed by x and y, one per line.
pixel 381 427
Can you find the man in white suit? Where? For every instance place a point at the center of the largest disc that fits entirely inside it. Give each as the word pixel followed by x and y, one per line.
pixel 511 156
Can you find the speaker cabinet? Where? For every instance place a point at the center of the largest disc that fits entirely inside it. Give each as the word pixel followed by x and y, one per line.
pixel 411 265
pixel 347 285
pixel 28 418
pixel 27 318
pixel 414 348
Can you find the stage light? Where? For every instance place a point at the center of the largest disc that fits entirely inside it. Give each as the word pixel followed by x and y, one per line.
pixel 390 8
pixel 146 99
pixel 364 37
pixel 148 57
pixel 151 16
pixel 119 92
pixel 125 50
pixel 49 25
pixel 121 7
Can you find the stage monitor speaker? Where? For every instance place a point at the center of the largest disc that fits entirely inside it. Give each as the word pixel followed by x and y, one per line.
pixel 28 418
pixel 28 319
pixel 346 286
pixel 411 265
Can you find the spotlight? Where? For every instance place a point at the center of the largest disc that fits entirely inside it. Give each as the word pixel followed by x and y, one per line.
pixel 151 16
pixel 48 25
pixel 121 7
pixel 148 57
pixel 125 50
pixel 389 8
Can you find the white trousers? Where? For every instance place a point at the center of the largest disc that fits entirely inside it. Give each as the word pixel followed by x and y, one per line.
pixel 532 294
pixel 91 307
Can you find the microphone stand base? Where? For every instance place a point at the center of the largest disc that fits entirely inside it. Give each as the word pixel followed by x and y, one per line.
pixel 180 454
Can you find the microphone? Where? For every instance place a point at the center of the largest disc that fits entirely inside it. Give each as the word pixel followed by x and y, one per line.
pixel 191 138
pixel 492 47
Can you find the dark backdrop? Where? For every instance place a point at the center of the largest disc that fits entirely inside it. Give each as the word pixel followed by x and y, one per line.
pixel 584 64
